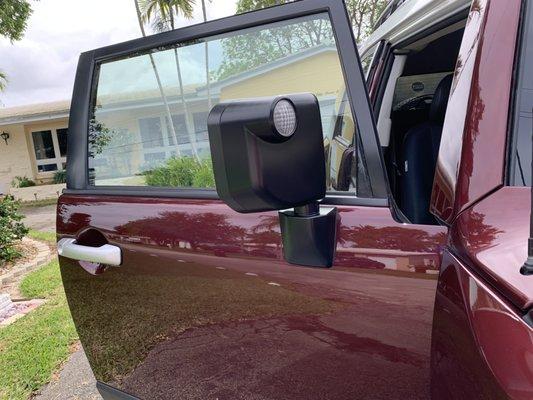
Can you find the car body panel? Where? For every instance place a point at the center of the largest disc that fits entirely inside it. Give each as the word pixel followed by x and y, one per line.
pixel 204 306
pixel 472 154
pixel 493 234
pixel 481 347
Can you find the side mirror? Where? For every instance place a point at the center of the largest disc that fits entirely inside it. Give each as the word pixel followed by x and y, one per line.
pixel 268 154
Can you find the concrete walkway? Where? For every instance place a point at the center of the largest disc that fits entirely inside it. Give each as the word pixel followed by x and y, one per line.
pixel 40 218
pixel 75 381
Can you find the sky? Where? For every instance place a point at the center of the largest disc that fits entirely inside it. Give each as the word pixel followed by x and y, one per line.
pixel 41 67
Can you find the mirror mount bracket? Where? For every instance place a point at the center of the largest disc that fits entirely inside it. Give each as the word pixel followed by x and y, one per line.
pixel 309 235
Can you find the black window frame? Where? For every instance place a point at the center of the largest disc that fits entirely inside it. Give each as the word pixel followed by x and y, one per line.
pixel 523 68
pixel 87 77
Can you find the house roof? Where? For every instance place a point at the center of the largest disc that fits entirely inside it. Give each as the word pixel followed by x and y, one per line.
pixel 34 112
pixel 60 109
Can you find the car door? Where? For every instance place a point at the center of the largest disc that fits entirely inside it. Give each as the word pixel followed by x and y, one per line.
pixel 173 294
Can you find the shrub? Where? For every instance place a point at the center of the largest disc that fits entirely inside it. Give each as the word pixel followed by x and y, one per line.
pixel 60 176
pixel 182 172
pixel 11 228
pixel 22 182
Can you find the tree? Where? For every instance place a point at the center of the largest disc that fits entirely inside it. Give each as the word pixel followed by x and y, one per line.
pixel 245 52
pixel 207 75
pixel 3 81
pixel 363 16
pixel 363 13
pixel 163 13
pixel 157 77
pixel 259 47
pixel 14 15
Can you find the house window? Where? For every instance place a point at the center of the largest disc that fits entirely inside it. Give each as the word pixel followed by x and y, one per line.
pixel 158 140
pixel 50 147
pixel 200 126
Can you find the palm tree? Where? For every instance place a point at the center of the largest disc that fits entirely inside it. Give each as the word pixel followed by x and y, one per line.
pixel 158 79
pixel 207 78
pixel 3 81
pixel 163 12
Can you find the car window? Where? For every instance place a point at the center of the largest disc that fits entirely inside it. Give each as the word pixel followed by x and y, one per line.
pixel 149 121
pixel 520 168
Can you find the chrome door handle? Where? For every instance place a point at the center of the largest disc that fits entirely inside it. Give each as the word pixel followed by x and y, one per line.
pixel 106 254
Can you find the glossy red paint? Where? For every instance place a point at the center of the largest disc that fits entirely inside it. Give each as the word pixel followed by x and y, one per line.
pixel 204 306
pixel 471 160
pixel 481 347
pixel 493 236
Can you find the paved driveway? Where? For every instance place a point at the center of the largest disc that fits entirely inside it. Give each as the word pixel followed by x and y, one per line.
pixel 76 381
pixel 40 218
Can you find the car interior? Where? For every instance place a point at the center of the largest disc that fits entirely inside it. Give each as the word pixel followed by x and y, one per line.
pixel 411 115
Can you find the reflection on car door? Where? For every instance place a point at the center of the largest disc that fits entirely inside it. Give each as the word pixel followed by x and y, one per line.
pixel 203 304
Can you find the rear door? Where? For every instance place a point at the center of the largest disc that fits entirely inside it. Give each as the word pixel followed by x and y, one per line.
pixel 201 303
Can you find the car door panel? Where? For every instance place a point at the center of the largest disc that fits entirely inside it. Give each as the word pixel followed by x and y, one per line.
pixel 204 306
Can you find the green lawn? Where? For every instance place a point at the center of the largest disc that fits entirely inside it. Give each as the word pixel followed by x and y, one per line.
pixel 39 203
pixel 49 237
pixel 33 348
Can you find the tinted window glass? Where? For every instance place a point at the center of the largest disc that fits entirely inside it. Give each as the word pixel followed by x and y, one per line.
pixel 43 145
pixel 130 144
pixel 62 141
pixel 47 167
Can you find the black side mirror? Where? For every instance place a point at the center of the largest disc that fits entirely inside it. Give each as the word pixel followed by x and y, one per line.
pixel 268 154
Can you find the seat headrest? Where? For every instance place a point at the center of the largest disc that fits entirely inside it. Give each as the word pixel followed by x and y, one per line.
pixel 440 100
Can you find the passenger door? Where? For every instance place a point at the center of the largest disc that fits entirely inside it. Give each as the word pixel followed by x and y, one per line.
pixel 174 295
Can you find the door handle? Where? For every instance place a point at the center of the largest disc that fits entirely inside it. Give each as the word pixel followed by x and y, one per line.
pixel 106 254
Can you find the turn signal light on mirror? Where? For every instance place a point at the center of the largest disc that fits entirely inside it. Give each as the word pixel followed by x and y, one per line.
pixel 284 116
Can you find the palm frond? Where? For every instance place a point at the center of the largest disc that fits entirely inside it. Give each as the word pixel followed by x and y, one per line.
pixel 3 81
pixel 161 13
pixel 159 24
pixel 186 7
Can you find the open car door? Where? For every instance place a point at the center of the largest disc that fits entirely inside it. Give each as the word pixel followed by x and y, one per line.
pixel 174 294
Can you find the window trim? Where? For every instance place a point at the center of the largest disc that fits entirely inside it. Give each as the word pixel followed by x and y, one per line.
pixel 520 71
pixel 87 78
pixel 58 159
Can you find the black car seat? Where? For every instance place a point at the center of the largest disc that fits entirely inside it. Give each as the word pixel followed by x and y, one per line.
pixel 420 149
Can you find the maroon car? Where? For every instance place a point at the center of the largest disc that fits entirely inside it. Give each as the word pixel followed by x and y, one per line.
pixel 254 211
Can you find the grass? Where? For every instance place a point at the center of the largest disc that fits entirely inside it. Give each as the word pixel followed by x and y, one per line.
pixel 49 237
pixel 34 347
pixel 135 309
pixel 39 203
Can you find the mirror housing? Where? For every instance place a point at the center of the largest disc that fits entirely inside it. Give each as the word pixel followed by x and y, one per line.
pixel 268 153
